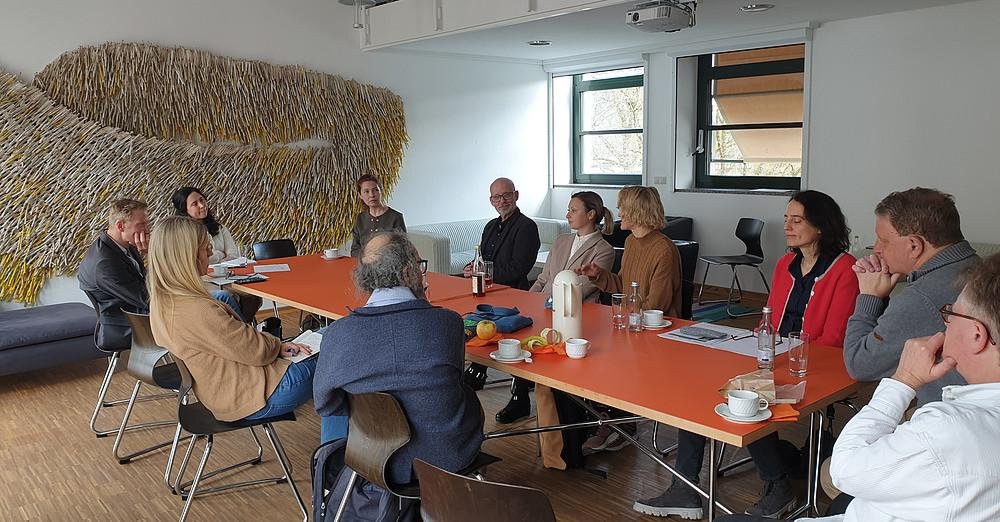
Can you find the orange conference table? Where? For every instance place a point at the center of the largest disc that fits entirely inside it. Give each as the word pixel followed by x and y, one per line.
pixel 325 287
pixel 660 379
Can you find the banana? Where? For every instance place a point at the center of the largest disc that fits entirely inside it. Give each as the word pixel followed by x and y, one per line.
pixel 551 336
pixel 530 343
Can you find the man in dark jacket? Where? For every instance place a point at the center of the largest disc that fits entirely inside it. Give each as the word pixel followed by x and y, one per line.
pixel 400 344
pixel 511 242
pixel 113 276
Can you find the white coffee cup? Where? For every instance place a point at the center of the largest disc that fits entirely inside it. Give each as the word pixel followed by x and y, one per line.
pixel 652 317
pixel 330 252
pixel 220 270
pixel 509 348
pixel 577 348
pixel 745 403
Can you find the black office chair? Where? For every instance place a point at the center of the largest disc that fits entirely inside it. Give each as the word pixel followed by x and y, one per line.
pixel 748 230
pixel 197 420
pixel 273 249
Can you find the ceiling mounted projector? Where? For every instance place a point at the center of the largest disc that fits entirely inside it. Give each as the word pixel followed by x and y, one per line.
pixel 662 16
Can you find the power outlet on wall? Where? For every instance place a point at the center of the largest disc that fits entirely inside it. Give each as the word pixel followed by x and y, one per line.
pixel 659 180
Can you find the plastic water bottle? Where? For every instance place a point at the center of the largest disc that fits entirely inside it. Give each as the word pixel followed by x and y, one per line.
pixel 765 341
pixel 635 309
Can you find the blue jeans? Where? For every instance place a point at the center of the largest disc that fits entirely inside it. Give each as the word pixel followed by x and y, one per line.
pixel 294 390
pixel 229 299
pixel 332 428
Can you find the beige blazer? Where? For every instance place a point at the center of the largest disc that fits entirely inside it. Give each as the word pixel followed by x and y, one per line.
pixel 235 367
pixel 594 250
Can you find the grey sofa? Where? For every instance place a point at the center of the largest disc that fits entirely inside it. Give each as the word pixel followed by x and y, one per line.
pixel 44 336
pixel 448 247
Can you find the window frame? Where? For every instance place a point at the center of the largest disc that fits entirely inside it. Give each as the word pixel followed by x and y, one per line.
pixel 705 126
pixel 580 86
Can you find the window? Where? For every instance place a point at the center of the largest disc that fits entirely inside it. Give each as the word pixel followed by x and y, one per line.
pixel 750 106
pixel 606 130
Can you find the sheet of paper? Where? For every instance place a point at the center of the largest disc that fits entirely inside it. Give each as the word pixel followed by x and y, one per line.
pixel 312 340
pixel 218 281
pixel 741 340
pixel 238 262
pixel 261 269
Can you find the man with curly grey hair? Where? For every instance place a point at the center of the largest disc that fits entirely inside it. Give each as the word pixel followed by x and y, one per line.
pixel 400 344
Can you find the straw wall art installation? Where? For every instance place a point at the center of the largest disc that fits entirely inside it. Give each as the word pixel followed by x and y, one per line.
pixel 276 148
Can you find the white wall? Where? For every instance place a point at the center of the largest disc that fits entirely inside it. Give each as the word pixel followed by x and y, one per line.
pixel 897 100
pixel 468 121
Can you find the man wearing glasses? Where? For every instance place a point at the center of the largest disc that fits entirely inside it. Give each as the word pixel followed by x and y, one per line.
pixel 919 236
pixel 941 464
pixel 511 242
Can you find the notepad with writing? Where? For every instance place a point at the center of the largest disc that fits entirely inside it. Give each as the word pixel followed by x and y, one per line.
pixel 312 340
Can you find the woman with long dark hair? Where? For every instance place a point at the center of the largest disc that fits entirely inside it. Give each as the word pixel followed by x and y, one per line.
pixel 813 290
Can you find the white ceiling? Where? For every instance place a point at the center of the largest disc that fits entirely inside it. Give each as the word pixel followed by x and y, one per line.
pixel 603 30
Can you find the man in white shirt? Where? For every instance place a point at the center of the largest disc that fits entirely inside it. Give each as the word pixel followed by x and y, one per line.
pixel 942 464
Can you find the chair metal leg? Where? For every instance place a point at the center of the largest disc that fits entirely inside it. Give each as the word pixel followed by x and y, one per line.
pixel 112 364
pixel 729 310
pixel 197 477
pixel 347 495
pixel 704 277
pixel 180 488
pixel 665 451
pixel 286 466
pixel 125 459
pixel 170 458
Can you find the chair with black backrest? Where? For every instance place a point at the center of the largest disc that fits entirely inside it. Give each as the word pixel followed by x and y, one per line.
pixel 150 364
pixel 689 261
pixel 197 420
pixel 748 230
pixel 114 356
pixel 448 497
pixel 377 428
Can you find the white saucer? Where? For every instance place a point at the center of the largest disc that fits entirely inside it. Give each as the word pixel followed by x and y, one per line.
pixel 722 410
pixel 324 258
pixel 495 355
pixel 661 326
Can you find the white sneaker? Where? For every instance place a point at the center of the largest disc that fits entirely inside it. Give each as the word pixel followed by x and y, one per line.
pixel 600 441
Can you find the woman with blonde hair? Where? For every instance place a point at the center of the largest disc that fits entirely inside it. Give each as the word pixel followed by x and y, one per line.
pixel 237 370
pixel 650 259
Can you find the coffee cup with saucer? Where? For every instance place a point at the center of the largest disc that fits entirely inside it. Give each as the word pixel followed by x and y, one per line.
pixel 744 406
pixel 653 320
pixel 329 253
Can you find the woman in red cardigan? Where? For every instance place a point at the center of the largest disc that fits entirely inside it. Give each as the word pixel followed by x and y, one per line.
pixel 813 290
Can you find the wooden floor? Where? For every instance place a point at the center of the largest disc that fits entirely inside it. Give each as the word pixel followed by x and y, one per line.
pixel 54 468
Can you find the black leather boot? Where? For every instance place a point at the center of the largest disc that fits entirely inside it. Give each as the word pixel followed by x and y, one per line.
pixel 519 406
pixel 475 376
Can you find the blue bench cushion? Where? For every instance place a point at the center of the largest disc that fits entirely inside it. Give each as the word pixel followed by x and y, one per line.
pixel 40 324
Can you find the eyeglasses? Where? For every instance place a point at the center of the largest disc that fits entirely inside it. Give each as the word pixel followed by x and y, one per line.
pixel 506 196
pixel 947 310
pixel 423 266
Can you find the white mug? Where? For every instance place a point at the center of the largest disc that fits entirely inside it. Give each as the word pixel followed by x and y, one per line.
pixel 652 317
pixel 509 348
pixel 330 252
pixel 220 270
pixel 745 403
pixel 576 348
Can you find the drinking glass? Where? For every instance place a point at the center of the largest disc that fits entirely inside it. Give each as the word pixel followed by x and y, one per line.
pixel 798 353
pixel 619 317
pixel 488 274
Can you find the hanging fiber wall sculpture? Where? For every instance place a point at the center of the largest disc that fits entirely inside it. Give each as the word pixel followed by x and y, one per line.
pixel 149 119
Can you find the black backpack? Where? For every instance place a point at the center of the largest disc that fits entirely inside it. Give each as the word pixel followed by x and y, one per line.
pixel 367 502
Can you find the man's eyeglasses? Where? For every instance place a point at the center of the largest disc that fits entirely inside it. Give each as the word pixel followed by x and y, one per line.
pixel 947 310
pixel 506 196
pixel 423 266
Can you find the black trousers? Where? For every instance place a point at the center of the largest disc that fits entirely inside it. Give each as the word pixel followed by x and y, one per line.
pixel 837 507
pixel 766 453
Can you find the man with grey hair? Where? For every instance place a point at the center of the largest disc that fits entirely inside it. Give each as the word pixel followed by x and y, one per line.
pixel 400 344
